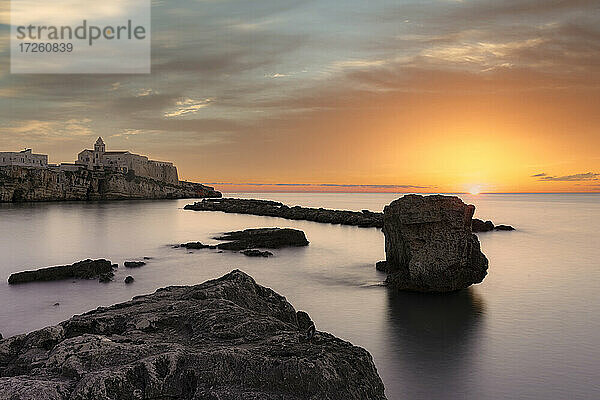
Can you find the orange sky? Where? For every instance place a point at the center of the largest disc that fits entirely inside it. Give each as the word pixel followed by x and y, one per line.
pixel 484 95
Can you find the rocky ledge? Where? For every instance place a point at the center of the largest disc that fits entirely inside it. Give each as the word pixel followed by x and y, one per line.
pixel 367 219
pixel 21 184
pixel 264 238
pixel 249 240
pixel 429 245
pixel 228 338
pixel 268 208
pixel 86 269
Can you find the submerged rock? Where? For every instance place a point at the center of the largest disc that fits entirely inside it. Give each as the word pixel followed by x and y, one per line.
pixel 257 253
pixel 482 226
pixel 487 226
pixel 87 269
pixel 134 264
pixel 228 338
pixel 269 208
pixel 197 246
pixel 265 238
pixel 429 244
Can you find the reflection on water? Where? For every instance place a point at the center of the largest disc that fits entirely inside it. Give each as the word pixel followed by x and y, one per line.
pixel 528 331
pixel 436 338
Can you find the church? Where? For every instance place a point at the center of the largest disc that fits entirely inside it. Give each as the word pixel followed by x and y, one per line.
pixel 125 161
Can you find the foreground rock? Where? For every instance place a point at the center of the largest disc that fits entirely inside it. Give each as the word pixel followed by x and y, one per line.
pixel 19 184
pixel 264 238
pixel 224 339
pixel 87 269
pixel 275 209
pixel 429 245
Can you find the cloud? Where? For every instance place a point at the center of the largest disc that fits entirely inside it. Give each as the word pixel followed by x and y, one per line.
pixel 187 106
pixel 589 176
pixel 144 92
pixel 539 175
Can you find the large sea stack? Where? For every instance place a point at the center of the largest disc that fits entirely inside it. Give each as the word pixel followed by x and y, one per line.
pixel 429 245
pixel 228 338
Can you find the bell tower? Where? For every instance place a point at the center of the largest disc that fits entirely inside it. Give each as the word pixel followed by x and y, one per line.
pixel 99 147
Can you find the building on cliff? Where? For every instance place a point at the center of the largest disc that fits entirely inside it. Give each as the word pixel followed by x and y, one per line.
pixel 25 158
pixel 125 161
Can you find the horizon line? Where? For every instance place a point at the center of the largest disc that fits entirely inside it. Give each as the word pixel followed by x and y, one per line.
pixel 383 192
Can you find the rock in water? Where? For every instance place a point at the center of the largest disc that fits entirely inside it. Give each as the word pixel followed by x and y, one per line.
pixel 129 279
pixel 134 264
pixel 257 253
pixel 87 269
pixel 429 244
pixel 197 245
pixel 264 238
pixel 228 338
pixel 482 226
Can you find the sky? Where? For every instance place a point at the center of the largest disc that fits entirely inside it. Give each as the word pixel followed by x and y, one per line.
pixel 323 95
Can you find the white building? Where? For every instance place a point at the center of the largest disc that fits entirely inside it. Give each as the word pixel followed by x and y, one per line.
pixel 23 158
pixel 124 161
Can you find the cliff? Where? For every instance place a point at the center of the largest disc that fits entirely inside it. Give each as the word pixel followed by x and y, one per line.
pixel 21 184
pixel 228 338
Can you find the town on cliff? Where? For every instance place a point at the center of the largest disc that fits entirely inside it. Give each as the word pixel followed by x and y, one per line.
pixel 98 159
pixel 97 174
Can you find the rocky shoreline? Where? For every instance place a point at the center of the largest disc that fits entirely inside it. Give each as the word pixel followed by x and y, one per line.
pixel 228 338
pixel 22 184
pixel 366 219
pixel 268 208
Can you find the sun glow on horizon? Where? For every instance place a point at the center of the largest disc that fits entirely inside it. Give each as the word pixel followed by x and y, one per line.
pixel 475 190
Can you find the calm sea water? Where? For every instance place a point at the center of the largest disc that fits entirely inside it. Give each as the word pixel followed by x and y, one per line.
pixel 531 330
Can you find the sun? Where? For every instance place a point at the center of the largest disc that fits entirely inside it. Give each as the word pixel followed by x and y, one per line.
pixel 475 190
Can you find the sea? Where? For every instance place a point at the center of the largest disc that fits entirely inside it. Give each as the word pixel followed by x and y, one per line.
pixel 530 330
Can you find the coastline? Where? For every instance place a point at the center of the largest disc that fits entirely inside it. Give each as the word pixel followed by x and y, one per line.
pixel 26 184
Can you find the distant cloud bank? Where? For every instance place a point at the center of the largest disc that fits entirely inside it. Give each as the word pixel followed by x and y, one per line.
pixel 589 176
pixel 321 185
pixel 318 187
